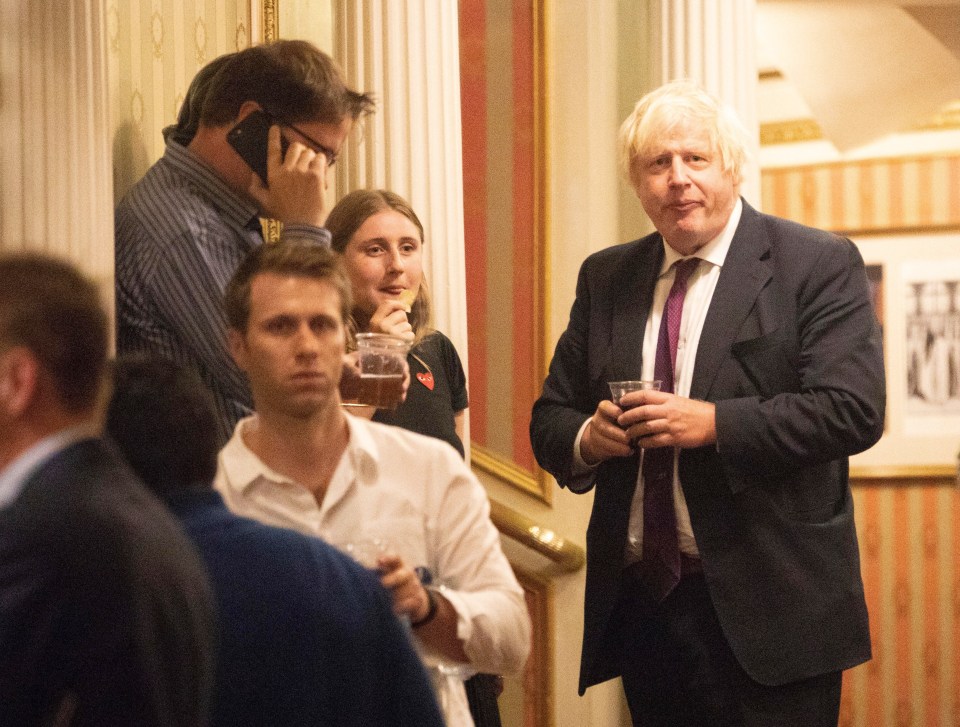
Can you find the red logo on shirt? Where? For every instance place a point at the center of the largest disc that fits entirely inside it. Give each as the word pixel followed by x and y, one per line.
pixel 426 379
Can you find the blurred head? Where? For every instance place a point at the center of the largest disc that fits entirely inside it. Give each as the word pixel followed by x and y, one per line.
pixel 188 120
pixel 286 306
pixel 381 240
pixel 683 153
pixel 52 329
pixel 163 419
pixel 291 79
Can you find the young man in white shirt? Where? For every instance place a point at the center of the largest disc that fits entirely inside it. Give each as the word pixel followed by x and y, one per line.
pixel 301 462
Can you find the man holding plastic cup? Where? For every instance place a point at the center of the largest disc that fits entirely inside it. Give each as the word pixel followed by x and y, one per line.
pixel 302 462
pixel 723 580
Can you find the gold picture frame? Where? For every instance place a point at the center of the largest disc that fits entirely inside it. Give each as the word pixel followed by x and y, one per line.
pixel 507 263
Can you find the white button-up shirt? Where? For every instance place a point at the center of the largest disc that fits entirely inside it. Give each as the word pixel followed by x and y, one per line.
pixel 416 494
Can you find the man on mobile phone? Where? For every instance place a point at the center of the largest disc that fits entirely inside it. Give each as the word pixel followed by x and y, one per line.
pixel 182 230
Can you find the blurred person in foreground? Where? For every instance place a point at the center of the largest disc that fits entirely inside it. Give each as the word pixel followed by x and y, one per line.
pixel 723 578
pixel 307 636
pixel 380 240
pixel 106 616
pixel 302 462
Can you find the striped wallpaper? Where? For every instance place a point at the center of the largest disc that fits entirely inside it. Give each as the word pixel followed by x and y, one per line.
pixel 870 196
pixel 154 49
pixel 909 524
pixel 910 547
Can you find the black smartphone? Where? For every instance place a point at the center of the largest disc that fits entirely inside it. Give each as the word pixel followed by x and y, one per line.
pixel 249 138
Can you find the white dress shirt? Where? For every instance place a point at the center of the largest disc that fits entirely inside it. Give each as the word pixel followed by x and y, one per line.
pixel 417 494
pixel 700 286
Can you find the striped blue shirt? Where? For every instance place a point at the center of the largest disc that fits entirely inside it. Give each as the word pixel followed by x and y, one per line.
pixel 181 232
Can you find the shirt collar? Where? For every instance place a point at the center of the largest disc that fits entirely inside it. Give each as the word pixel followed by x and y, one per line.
pixel 363 450
pixel 241 465
pixel 14 476
pixel 243 468
pixel 235 208
pixel 716 250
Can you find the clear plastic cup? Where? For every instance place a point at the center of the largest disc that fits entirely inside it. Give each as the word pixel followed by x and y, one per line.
pixel 619 388
pixel 383 361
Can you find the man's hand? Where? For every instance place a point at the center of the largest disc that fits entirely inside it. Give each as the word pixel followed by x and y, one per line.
pixel 410 599
pixel 297 183
pixel 409 596
pixel 603 437
pixel 390 317
pixel 658 419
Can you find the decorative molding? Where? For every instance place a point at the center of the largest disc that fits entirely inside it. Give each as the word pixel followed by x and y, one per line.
pixel 271 20
pixel 536 484
pixel 270 15
pixel 925 476
pixel 500 403
pixel 539 672
pixel 541 217
pixel 568 556
pixel 844 164
pixel 271 229
pixel 947 119
pixel 790 132
pixel 904 230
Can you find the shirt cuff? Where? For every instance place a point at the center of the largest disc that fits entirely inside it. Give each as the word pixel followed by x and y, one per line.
pixel 581 473
pixel 307 233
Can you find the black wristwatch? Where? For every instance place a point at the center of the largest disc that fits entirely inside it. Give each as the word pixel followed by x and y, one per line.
pixel 431 610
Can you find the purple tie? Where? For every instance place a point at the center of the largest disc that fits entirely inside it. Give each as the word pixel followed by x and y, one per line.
pixel 661 552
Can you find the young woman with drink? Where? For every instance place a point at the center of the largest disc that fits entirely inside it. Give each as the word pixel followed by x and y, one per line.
pixel 381 241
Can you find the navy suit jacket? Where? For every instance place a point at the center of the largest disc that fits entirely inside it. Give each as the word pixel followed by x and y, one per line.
pixel 791 355
pixel 308 636
pixel 106 616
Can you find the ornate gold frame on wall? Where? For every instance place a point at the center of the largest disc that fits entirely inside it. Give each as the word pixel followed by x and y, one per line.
pixel 535 482
pixel 268 12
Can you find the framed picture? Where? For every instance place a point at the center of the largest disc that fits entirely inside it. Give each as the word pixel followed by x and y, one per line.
pixel 904 215
pixel 503 90
pixel 932 347
pixel 915 279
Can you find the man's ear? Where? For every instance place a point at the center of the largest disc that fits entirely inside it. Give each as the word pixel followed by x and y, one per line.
pixel 19 376
pixel 246 108
pixel 238 347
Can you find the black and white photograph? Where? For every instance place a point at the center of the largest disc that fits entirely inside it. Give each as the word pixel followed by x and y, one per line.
pixel 932 318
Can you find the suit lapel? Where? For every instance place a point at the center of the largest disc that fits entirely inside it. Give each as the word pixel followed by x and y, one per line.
pixel 632 290
pixel 744 274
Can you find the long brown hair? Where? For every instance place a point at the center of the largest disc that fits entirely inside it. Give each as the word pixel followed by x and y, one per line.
pixel 347 217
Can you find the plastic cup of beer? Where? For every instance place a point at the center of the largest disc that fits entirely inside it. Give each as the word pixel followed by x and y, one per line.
pixel 382 360
pixel 619 388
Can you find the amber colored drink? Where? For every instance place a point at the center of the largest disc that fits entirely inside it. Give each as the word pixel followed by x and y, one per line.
pixel 381 390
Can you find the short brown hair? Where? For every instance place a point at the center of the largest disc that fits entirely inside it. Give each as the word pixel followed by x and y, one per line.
pixel 48 307
pixel 300 259
pixel 349 214
pixel 291 79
